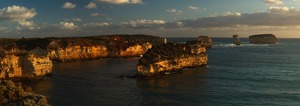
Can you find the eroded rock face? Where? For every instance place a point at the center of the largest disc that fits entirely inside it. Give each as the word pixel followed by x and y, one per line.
pixel 135 50
pixel 12 94
pixel 78 52
pixel 263 39
pixel 236 40
pixel 165 58
pixel 34 64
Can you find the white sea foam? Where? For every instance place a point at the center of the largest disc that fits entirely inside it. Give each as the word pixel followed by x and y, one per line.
pixel 243 44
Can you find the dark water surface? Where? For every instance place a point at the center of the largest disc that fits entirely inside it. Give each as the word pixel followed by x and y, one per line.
pixel 236 75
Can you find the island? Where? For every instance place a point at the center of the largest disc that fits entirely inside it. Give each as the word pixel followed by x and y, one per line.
pixel 263 39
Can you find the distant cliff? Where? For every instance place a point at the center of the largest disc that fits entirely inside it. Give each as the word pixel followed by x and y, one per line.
pixel 167 58
pixel 263 39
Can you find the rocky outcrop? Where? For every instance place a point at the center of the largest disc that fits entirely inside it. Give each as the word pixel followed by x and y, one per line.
pixel 204 41
pixel 34 64
pixel 236 40
pixel 12 94
pixel 171 57
pixel 263 39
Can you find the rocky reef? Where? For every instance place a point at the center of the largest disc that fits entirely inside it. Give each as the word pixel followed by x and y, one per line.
pixel 236 40
pixel 13 94
pixel 204 41
pixel 263 39
pixel 171 57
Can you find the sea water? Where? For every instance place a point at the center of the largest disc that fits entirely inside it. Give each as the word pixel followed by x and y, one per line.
pixel 250 74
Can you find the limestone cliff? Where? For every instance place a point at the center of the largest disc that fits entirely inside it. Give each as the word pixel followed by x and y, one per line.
pixel 74 51
pixel 263 39
pixel 12 94
pixel 135 50
pixel 165 58
pixel 30 65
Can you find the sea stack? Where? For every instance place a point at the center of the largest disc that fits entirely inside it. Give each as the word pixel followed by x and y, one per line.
pixel 236 40
pixel 263 39
pixel 171 57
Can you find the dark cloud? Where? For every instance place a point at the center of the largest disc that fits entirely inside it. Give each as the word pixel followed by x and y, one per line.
pixel 275 16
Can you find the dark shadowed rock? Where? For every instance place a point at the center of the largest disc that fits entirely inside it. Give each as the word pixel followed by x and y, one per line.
pixel 236 40
pixel 263 39
pixel 171 57
pixel 204 41
pixel 12 94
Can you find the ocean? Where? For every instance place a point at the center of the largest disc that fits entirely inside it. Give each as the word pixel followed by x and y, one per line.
pixel 250 74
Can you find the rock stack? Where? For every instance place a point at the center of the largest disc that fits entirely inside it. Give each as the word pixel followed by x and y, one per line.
pixel 236 40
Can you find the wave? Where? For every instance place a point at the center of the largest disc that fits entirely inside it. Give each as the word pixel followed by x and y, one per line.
pixel 243 44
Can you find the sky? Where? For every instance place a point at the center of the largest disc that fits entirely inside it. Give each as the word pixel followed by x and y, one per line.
pixel 165 18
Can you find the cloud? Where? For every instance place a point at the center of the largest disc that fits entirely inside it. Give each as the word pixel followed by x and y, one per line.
pixel 143 22
pixel 273 17
pixel 28 25
pixel 273 2
pixel 232 14
pixel 17 13
pixel 193 8
pixel 91 5
pixel 74 20
pixel 96 24
pixel 68 25
pixel 275 9
pixel 69 5
pixel 174 11
pixel 97 14
pixel 122 1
